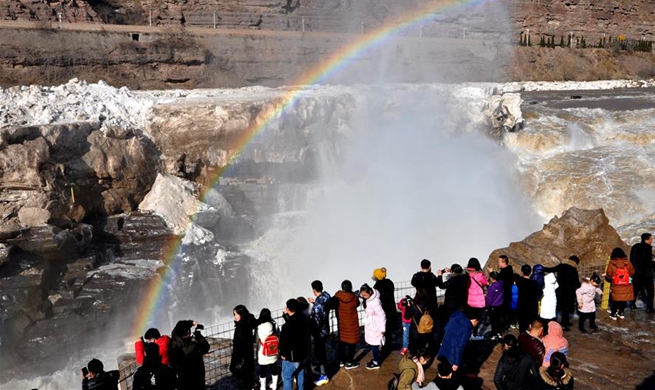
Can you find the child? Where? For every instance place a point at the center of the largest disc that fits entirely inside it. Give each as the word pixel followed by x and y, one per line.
pixel 495 305
pixel 586 296
pixel 402 306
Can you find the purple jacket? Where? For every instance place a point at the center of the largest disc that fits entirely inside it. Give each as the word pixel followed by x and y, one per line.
pixel 495 294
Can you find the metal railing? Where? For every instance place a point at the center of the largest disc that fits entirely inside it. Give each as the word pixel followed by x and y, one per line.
pixel 217 360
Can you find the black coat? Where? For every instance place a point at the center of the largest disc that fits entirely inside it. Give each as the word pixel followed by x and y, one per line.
pixel 164 378
pixel 294 338
pixel 529 296
pixel 544 382
pixel 506 275
pixel 186 359
pixel 457 291
pixel 426 281
pixel 641 257
pixel 243 355
pixel 414 312
pixel 106 380
pixel 568 281
pixel 386 289
pixel 514 373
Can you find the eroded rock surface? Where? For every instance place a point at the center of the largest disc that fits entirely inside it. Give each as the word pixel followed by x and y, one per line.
pixel 584 233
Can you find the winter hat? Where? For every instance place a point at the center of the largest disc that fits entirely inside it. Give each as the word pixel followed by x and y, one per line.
pixel 379 273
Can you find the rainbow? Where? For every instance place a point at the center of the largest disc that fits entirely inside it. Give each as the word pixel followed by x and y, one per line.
pixel 338 61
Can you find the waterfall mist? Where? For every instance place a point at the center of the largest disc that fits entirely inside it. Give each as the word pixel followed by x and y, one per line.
pixel 409 183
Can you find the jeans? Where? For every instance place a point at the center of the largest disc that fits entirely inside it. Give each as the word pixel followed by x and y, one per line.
pixel 289 369
pixel 376 353
pixel 406 334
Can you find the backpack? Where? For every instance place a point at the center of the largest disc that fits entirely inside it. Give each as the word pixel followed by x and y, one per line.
pixel 425 323
pixel 393 382
pixel 270 345
pixel 621 277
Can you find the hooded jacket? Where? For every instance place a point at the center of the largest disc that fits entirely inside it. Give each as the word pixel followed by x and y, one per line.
pixel 476 288
pixel 554 342
pixel 375 320
pixel 620 293
pixel 546 382
pixel 568 280
pixel 408 373
pixel 346 304
pixel 456 336
pixel 586 296
pixel 549 301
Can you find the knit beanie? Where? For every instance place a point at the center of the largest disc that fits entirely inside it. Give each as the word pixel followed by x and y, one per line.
pixel 379 273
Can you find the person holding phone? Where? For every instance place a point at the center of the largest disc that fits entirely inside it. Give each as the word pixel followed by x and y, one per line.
pixel 94 377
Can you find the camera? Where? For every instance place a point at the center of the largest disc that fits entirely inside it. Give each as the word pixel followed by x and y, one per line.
pixel 200 327
pixel 85 372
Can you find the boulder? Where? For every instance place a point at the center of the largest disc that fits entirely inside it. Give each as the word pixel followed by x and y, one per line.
pixel 504 111
pixel 584 233
pixel 175 199
pixel 33 216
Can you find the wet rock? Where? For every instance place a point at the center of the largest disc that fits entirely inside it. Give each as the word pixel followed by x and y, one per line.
pixel 68 171
pixel 138 235
pixel 584 233
pixel 175 199
pixel 33 216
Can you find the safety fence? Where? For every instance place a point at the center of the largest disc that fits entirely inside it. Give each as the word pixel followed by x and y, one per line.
pixel 217 360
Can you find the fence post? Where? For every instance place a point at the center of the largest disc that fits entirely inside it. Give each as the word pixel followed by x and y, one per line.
pixel 303 24
pixel 214 19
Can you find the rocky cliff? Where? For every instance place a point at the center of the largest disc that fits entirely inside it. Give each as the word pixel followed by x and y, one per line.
pixel 633 18
pixel 584 233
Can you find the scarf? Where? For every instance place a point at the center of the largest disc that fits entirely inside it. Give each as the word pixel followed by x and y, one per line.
pixel 420 374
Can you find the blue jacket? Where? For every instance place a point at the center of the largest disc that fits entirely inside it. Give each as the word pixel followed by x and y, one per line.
pixel 320 316
pixel 515 297
pixel 456 336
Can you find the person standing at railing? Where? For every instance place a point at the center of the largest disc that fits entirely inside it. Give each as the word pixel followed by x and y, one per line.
pixel 96 378
pixel 320 328
pixel 457 287
pixel 153 375
pixel 152 335
pixel 345 302
pixel 415 310
pixel 427 281
pixel 186 351
pixel 294 345
pixel 242 365
pixel 387 290
pixel 374 324
pixel 268 349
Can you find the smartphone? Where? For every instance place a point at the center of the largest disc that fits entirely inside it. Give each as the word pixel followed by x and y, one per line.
pixel 85 372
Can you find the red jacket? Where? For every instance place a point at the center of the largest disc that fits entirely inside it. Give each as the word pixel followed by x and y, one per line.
pixel 163 343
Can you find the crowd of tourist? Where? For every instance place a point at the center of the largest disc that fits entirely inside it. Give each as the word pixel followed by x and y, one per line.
pixel 478 307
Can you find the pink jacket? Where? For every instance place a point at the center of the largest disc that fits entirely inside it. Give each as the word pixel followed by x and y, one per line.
pixel 586 295
pixel 476 291
pixel 375 320
pixel 554 341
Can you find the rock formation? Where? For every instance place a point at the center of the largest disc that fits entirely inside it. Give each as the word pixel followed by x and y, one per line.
pixel 584 233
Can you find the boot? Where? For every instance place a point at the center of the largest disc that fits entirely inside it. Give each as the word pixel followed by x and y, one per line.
pixel 273 382
pixel 262 383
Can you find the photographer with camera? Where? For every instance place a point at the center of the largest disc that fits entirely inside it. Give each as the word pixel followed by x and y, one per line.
pixel 95 378
pixel 186 352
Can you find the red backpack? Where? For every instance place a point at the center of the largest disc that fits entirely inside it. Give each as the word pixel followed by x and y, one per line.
pixel 621 277
pixel 270 345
